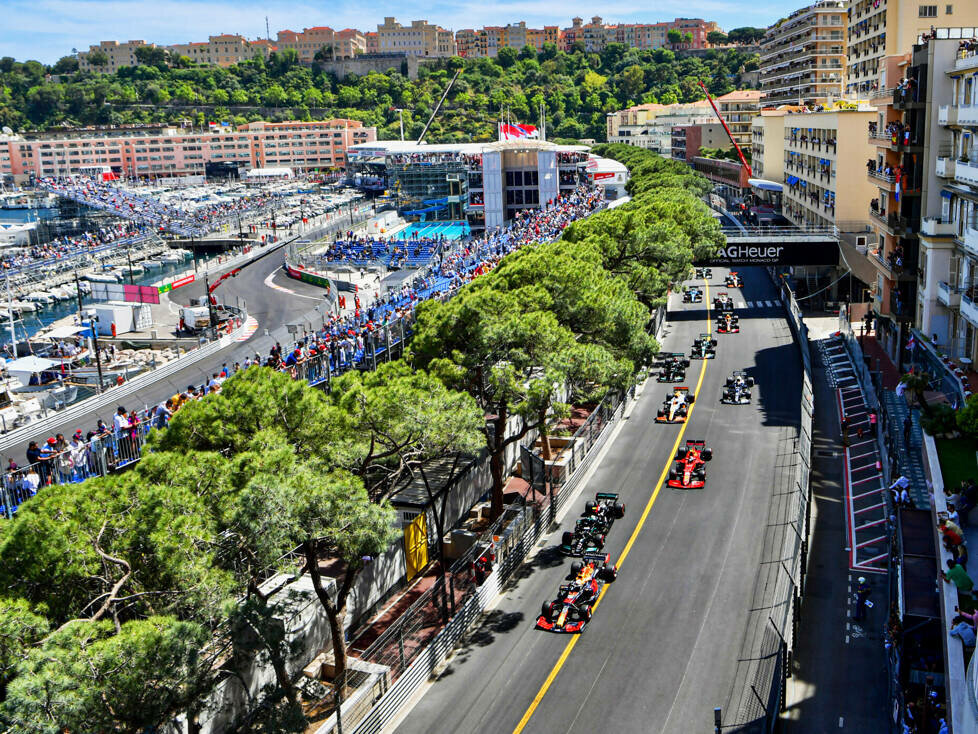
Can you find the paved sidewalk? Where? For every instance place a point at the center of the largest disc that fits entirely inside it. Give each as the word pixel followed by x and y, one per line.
pixel 909 457
pixel 838 674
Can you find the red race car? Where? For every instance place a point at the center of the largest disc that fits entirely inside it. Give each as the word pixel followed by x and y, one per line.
pixel 728 323
pixel 571 610
pixel 689 471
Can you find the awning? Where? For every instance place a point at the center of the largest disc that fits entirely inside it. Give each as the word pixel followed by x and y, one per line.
pixel 764 184
pixel 63 332
pixel 32 364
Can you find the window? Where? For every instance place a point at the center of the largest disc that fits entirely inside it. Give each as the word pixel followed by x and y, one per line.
pixel 927 11
pixel 948 9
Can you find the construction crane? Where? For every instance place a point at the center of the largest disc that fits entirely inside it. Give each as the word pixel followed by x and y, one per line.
pixel 740 153
pixel 438 106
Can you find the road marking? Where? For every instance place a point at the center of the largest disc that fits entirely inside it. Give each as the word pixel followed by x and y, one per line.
pixel 283 289
pixel 841 722
pixel 552 676
pixel 250 327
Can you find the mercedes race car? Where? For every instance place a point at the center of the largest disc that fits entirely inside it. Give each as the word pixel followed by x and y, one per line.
pixel 673 367
pixel 587 537
pixel 723 302
pixel 605 507
pixel 675 408
pixel 689 471
pixel 692 295
pixel 736 391
pixel 570 611
pixel 728 323
pixel 733 280
pixel 704 273
pixel 704 348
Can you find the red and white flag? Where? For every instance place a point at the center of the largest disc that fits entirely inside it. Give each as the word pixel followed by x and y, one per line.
pixel 517 131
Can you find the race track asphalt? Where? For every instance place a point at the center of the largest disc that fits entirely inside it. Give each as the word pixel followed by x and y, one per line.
pixel 662 649
pixel 272 307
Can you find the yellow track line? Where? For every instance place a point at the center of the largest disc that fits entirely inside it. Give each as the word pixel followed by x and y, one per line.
pixel 631 540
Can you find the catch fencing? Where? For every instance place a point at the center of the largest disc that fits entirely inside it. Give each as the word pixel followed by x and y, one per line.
pixel 758 694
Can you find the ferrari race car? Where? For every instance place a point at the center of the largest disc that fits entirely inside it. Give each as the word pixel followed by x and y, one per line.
pixel 692 295
pixel 570 611
pixel 705 273
pixel 673 368
pixel 723 302
pixel 689 471
pixel 728 323
pixel 733 280
pixel 704 348
pixel 736 391
pixel 675 408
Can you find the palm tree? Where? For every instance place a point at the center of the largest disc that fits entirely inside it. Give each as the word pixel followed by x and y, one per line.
pixel 916 383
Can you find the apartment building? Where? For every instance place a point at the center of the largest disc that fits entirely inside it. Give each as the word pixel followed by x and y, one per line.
pixel 488 40
pixel 372 41
pixel 689 140
pixel 803 56
pixel 650 125
pixel 118 55
pixel 596 35
pixel 880 28
pixel 739 108
pixel 767 145
pixel 421 38
pixel 225 49
pixel 344 44
pixel 168 151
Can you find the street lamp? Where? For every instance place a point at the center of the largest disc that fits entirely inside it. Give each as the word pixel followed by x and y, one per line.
pixel 93 324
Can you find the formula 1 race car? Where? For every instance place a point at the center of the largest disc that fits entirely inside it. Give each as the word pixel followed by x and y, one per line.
pixel 728 323
pixel 673 367
pixel 723 302
pixel 733 280
pixel 704 273
pixel 570 611
pixel 704 348
pixel 692 295
pixel 606 508
pixel 675 408
pixel 736 391
pixel 586 537
pixel 689 471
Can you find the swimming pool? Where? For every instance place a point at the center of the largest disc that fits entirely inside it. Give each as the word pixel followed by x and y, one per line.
pixel 448 230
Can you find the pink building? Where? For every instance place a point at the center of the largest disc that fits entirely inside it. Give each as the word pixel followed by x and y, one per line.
pixel 170 151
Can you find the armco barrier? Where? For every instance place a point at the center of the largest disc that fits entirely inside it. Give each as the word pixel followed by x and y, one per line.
pixel 115 394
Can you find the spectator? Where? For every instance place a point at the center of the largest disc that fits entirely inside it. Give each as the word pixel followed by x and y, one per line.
pixel 963 630
pixel 951 533
pixel 862 595
pixel 956 575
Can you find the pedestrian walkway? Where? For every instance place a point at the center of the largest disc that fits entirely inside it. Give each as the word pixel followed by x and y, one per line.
pixel 908 455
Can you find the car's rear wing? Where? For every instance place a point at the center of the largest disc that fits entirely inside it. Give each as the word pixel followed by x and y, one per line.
pixel 739 373
pixel 613 496
pixel 597 557
pixel 680 388
pixel 696 443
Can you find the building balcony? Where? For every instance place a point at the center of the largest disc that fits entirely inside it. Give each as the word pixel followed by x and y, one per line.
pixel 947 115
pixel 969 310
pixel 966 172
pixel 948 294
pixel 966 60
pixel 968 240
pixel 893 224
pixel 944 167
pixel 885 182
pixel 967 115
pixel 936 227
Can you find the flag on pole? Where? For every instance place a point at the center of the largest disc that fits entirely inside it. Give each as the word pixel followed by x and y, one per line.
pixel 517 131
pixel 212 125
pixel 911 343
pixel 896 191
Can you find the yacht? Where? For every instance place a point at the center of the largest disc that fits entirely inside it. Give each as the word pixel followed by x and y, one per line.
pixel 40 297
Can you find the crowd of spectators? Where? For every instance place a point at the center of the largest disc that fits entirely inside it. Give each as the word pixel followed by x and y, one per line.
pixel 346 340
pixel 61 248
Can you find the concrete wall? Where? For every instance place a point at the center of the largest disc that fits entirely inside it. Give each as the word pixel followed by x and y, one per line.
pixel 362 65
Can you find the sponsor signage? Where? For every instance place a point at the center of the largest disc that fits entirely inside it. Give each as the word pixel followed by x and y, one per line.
pixel 819 252
pixel 125 293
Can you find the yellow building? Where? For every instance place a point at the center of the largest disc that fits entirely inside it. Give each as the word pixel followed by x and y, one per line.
pixel 802 57
pixel 421 38
pixel 739 108
pixel 343 44
pixel 118 55
pixel 224 49
pixel 767 145
pixel 880 28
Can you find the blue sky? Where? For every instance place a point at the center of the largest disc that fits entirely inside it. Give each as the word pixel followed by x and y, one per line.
pixel 48 29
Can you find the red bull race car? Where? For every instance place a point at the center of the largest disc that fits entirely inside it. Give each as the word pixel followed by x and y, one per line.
pixel 675 408
pixel 689 471
pixel 728 323
pixel 733 280
pixel 723 302
pixel 571 610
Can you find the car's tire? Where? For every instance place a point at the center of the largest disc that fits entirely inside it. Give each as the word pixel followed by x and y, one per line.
pixel 586 613
pixel 608 573
pixel 590 508
pixel 547 609
pixel 690 398
pixel 576 567
pixel 750 382
pixel 728 383
pixel 685 363
pixel 681 454
pixel 707 454
pixel 618 510
pixel 567 538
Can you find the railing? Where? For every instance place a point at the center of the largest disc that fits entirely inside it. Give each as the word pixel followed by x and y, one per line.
pixel 883 177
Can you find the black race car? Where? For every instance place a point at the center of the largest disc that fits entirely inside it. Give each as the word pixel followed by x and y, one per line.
pixel 571 610
pixel 704 273
pixel 704 348
pixel 723 302
pixel 606 507
pixel 733 280
pixel 675 408
pixel 692 294
pixel 689 471
pixel 586 537
pixel 728 323
pixel 736 391
pixel 673 367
